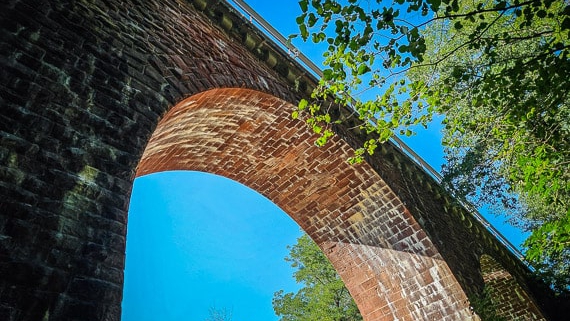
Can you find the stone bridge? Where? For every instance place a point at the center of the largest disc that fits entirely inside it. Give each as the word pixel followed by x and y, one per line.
pixel 96 92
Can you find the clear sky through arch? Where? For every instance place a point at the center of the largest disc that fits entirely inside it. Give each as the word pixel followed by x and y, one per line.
pixel 196 241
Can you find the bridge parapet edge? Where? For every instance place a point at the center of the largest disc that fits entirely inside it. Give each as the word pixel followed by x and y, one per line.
pixel 243 30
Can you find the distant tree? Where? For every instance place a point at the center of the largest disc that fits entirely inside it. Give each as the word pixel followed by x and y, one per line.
pixel 216 314
pixel 323 296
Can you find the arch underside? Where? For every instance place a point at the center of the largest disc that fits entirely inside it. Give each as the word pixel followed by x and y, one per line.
pixel 510 300
pixel 388 263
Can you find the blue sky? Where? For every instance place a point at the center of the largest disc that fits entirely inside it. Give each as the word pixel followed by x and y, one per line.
pixel 197 240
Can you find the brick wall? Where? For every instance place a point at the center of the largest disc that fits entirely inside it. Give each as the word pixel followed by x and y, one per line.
pixel 510 301
pixel 83 86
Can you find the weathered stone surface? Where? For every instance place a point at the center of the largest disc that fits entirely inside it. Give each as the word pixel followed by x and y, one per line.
pixel 83 87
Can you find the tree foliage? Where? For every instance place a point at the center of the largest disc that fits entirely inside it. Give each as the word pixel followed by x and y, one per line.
pixel 323 296
pixel 499 73
pixel 219 314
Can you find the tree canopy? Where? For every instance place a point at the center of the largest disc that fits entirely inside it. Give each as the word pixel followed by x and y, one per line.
pixel 322 297
pixel 499 73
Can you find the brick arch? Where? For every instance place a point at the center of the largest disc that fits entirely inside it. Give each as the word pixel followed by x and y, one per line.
pixel 387 261
pixel 510 300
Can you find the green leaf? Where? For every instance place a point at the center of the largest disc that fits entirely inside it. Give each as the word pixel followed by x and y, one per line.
pixel 339 26
pixel 434 5
pixel 362 69
pixel 311 20
pixel 317 129
pixel 301 19
pixel 304 31
pixel 328 74
pixel 304 4
pixel 302 104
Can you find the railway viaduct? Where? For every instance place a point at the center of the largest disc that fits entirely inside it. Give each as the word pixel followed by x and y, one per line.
pixel 96 92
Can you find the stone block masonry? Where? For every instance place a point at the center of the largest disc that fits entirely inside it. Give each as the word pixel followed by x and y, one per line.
pixel 95 92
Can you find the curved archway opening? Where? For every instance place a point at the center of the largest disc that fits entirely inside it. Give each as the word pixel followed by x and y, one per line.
pixel 197 241
pixel 387 261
